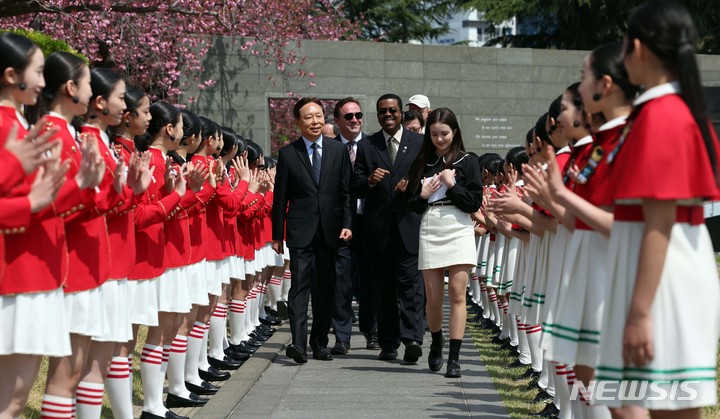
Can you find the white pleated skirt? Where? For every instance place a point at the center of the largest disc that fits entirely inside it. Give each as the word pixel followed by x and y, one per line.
pixel 249 267
pixel 34 324
pixel 498 259
pixel 511 255
pixel 555 265
pixel 173 294
pixel 144 301
pixel 85 312
pixel 571 333
pixel 520 287
pixel 213 277
pixel 118 304
pixel 447 238
pixel 197 285
pixel 482 255
pixel 260 263
pixel 237 267
pixel 685 318
pixel 534 296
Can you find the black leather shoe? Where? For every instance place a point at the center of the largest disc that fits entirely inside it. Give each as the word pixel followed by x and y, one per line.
pixel 388 354
pixel 517 364
pixel 244 348
pixel 259 336
pixel 177 401
pixel 413 351
pixel 372 341
pixel 496 340
pixel 236 355
pixel 297 354
pixel 453 370
pixel 168 415
pixel 253 343
pixel 340 348
pixel 267 330
pixel 224 364
pixel 530 373
pixel 550 411
pixel 213 374
pixel 543 397
pixel 270 320
pixel 508 347
pixel 322 354
pixel 435 359
pixel 204 389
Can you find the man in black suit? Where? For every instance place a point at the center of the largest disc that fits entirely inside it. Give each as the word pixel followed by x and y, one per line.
pixel 381 170
pixel 352 265
pixel 312 200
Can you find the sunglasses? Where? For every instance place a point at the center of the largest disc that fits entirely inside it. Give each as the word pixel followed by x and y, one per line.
pixel 349 116
pixel 392 111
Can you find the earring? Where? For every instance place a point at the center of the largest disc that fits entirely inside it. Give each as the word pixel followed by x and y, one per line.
pixel 596 97
pixel 127 125
pixel 105 112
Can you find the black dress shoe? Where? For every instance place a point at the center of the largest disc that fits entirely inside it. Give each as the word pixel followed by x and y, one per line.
pixel 204 389
pixel 168 415
pixel 453 370
pixel 244 348
pixel 267 330
pixel 322 354
pixel 253 343
pixel 297 354
pixel 226 363
pixel 340 348
pixel 236 355
pixel 531 373
pixel 543 397
pixel 508 347
pixel 177 401
pixel 550 411
pixel 259 336
pixel 496 340
pixel 413 351
pixel 517 364
pixel 435 358
pixel 270 320
pixel 213 374
pixel 372 341
pixel 388 354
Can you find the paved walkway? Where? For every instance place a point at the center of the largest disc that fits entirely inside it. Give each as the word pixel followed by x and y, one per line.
pixel 270 385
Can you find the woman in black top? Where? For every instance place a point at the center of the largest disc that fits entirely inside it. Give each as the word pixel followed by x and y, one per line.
pixel 446 186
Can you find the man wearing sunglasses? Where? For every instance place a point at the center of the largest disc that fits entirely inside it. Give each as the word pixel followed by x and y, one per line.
pixel 381 168
pixel 353 277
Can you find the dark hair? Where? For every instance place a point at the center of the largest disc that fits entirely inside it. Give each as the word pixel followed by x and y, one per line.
pixel 574 90
pixel 554 112
pixel 485 158
pixel 304 101
pixel 133 98
pixel 516 157
pixel 607 60
pixel 530 136
pixel 457 148
pixel 541 132
pixel 191 126
pixel 163 113
pixel 15 51
pixel 60 67
pixel 343 102
pixel 494 165
pixel 270 162
pixel 667 29
pixel 102 81
pixel 207 129
pixel 230 139
pixel 388 96
pixel 254 151
pixel 412 114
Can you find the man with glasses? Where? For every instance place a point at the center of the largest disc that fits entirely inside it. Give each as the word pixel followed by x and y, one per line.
pixel 352 264
pixel 381 168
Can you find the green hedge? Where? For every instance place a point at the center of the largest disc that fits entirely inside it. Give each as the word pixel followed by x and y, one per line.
pixel 48 44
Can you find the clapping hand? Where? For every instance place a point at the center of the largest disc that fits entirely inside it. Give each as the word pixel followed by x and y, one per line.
pixel 429 186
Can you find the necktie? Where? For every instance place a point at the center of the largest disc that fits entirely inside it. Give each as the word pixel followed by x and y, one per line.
pixel 351 152
pixel 392 149
pixel 316 162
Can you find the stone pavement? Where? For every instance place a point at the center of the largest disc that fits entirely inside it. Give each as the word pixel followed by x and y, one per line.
pixel 270 385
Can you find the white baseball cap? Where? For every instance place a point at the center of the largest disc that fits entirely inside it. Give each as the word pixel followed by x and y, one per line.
pixel 421 101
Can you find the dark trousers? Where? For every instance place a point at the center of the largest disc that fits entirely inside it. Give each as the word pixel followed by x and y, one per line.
pixel 342 299
pixel 367 298
pixel 400 293
pixel 313 272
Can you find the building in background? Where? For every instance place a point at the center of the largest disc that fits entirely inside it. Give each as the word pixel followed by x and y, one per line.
pixel 469 28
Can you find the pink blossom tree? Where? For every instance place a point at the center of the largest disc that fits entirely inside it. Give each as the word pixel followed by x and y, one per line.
pixel 154 42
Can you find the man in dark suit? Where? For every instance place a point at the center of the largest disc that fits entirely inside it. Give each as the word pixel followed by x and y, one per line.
pixel 381 170
pixel 312 200
pixel 353 276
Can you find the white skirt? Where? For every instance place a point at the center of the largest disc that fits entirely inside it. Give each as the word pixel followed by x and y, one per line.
pixel 685 317
pixel 34 324
pixel 517 294
pixel 260 260
pixel 225 270
pixel 556 260
pixel 286 252
pixel 237 267
pixel 173 295
pixel 447 238
pixel 571 333
pixel 85 312
pixel 482 254
pixel 197 285
pixel 144 301
pixel 490 262
pixel 278 260
pixel 511 255
pixel 116 294
pixel 249 267
pixel 534 296
pixel 213 277
pixel 499 257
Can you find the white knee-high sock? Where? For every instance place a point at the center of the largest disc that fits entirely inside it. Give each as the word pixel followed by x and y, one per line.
pixel 536 353
pixel 494 309
pixel 484 299
pixel 203 356
pixel 562 391
pixel 117 388
pixel 274 291
pixel 152 379
pixel 130 372
pixel 524 354
pixel 287 277
pixel 176 367
pixel 57 407
pixel 192 358
pixel 165 357
pixel 546 380
pixel 255 318
pixel 217 331
pixel 513 330
pixel 505 331
pixel 262 301
pixel 249 326
pixel 236 316
pixel 89 398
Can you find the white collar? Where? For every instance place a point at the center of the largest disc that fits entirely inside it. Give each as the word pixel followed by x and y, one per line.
pixel 308 143
pixel 397 135
pixel 583 141
pixel 443 159
pixel 613 123
pixel 70 126
pixel 345 140
pixel 660 90
pixel 564 150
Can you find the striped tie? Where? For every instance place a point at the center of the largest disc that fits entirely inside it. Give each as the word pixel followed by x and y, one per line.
pixel 392 149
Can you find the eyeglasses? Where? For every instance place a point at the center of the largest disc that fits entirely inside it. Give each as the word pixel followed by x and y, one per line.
pixel 349 116
pixel 392 111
